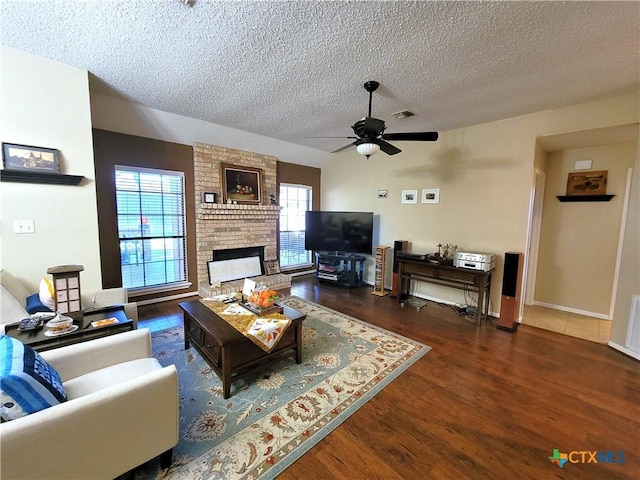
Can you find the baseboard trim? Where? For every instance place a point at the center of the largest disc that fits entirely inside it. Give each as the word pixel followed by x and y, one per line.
pixel 586 313
pixel 624 350
pixel 298 274
pixel 166 299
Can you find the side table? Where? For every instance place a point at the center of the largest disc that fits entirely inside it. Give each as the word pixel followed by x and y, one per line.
pixel 37 340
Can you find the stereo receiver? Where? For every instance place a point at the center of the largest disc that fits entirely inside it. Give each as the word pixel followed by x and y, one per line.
pixel 474 260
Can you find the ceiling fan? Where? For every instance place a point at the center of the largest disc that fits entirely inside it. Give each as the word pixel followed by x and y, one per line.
pixel 370 132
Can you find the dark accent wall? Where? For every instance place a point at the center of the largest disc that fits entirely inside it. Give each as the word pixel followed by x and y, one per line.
pixel 110 149
pixel 301 175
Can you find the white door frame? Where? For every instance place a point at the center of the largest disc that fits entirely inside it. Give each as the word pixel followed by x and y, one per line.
pixel 533 237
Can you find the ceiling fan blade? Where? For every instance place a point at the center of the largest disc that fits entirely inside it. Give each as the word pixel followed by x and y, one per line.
pixel 344 148
pixel 387 148
pixel 355 138
pixel 412 136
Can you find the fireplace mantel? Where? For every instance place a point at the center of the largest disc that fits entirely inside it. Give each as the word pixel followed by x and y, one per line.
pixel 217 211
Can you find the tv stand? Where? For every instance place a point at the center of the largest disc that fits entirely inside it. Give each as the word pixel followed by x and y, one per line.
pixel 343 269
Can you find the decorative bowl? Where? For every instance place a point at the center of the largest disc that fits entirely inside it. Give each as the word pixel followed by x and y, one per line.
pixel 60 323
pixel 263 299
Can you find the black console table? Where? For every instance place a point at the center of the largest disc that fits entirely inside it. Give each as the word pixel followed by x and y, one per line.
pixel 341 268
pixel 455 277
pixel 40 342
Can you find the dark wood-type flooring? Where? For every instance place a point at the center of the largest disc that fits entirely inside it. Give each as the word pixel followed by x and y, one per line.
pixel 483 403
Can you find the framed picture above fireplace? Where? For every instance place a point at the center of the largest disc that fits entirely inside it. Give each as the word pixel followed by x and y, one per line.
pixel 242 185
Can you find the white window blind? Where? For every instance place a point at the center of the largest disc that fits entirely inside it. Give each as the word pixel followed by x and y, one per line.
pixel 295 200
pixel 151 227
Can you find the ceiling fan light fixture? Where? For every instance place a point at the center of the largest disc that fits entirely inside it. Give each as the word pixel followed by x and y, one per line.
pixel 368 149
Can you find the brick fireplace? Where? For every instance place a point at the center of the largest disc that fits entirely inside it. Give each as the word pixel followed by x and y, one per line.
pixel 223 226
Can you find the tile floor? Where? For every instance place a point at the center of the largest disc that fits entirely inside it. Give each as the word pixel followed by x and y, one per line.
pixel 571 324
pixel 161 324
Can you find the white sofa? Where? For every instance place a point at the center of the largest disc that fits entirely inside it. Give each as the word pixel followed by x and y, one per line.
pixel 122 410
pixel 14 295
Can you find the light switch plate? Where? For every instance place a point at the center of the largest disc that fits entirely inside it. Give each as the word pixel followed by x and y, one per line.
pixel 24 226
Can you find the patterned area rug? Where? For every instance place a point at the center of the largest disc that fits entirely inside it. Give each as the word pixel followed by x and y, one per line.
pixel 279 412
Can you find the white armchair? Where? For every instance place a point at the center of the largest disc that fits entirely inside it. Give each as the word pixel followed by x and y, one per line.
pixel 122 410
pixel 114 296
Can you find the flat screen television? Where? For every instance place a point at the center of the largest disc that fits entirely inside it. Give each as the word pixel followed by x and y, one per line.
pixel 345 232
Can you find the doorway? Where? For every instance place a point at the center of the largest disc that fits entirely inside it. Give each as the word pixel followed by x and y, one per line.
pixel 575 313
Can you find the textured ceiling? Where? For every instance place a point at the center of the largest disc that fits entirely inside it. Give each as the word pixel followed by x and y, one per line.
pixel 291 70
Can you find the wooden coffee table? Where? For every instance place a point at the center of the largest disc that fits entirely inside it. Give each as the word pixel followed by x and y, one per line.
pixel 37 339
pixel 229 352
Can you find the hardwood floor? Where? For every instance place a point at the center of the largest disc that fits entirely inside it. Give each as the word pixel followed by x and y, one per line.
pixel 483 403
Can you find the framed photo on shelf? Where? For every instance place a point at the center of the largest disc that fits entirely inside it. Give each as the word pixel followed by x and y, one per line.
pixel 409 196
pixel 25 157
pixel 430 195
pixel 587 183
pixel 242 185
pixel 209 197
pixel 271 267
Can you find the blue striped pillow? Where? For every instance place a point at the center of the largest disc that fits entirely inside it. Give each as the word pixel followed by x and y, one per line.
pixel 28 383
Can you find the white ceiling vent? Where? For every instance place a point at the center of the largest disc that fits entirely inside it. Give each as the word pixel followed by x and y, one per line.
pixel 403 114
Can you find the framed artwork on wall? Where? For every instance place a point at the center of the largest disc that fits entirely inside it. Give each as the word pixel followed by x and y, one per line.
pixel 587 183
pixel 430 195
pixel 409 196
pixel 242 185
pixel 24 157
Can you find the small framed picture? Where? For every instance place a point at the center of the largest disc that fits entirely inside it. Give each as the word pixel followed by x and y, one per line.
pixel 209 197
pixel 587 183
pixel 409 196
pixel 382 194
pixel 430 195
pixel 24 157
pixel 271 267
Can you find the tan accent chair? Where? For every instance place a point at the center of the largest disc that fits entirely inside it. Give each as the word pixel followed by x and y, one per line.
pixel 122 410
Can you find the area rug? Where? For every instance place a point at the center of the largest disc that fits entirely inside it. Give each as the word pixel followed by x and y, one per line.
pixel 279 412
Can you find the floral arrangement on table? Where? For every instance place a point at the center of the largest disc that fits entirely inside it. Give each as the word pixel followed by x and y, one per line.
pixel 263 298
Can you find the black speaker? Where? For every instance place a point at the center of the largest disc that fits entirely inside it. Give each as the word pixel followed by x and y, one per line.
pixel 511 286
pixel 398 246
pixel 510 277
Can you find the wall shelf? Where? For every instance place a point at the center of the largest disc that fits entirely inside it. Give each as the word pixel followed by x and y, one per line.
pixel 585 198
pixel 26 176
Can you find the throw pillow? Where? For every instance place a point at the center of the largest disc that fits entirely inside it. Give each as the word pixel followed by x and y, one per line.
pixel 46 293
pixel 35 305
pixel 28 383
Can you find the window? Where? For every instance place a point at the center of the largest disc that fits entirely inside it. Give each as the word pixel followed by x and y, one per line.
pixel 151 227
pixel 295 201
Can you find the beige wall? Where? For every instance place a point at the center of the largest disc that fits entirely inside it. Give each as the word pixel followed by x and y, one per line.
pixel 46 104
pixel 485 175
pixel 629 278
pixel 579 240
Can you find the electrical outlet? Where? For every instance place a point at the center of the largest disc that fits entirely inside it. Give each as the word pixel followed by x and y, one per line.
pixel 24 226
